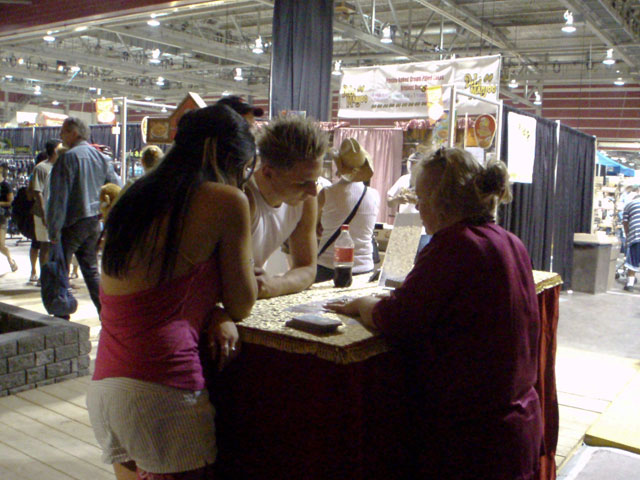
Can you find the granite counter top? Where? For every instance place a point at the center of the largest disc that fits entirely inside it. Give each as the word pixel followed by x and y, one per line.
pixel 350 343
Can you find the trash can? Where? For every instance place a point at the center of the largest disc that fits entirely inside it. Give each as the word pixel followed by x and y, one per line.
pixel 594 262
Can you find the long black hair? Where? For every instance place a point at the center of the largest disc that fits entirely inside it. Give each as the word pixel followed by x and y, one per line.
pixel 212 133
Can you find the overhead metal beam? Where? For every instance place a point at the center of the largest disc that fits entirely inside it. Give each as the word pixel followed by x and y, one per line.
pixel 371 40
pixel 621 21
pixel 517 98
pixel 118 66
pixel 424 27
pixel 184 41
pixel 485 32
pixel 108 88
pixel 364 20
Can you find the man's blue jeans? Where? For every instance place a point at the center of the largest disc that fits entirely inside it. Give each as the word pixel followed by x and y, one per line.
pixel 82 238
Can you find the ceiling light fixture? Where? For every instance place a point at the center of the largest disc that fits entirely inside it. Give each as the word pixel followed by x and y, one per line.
pixel 337 68
pixel 618 81
pixel 155 56
pixel 20 61
pixel 160 81
pixel 148 99
pixel 92 89
pixel 37 90
pixel 513 83
pixel 258 48
pixel 568 26
pixel 164 110
pixel 238 75
pixel 386 35
pixel 49 38
pixel 609 60
pixel 81 28
pixel 538 100
pixel 55 102
pixel 74 68
pixel 153 22
pixel 9 77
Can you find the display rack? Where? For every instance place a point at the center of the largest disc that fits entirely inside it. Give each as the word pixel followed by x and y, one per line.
pixel 606 205
pixel 21 164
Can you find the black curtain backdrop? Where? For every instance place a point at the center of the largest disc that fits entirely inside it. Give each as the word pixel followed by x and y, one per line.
pixel 19 137
pixel 36 137
pixel 530 215
pixel 134 137
pixel 41 135
pixel 101 135
pixel 574 196
pixel 301 57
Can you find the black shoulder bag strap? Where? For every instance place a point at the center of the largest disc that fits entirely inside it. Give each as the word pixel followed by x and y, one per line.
pixel 346 222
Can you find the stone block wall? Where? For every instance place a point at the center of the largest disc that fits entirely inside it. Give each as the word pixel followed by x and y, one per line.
pixel 37 349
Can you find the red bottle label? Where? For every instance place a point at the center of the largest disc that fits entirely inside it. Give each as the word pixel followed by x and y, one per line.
pixel 343 255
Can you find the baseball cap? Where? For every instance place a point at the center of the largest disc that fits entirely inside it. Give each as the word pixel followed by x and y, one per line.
pixel 240 106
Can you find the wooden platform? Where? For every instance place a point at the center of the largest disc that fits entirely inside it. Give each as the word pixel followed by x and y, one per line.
pixel 619 425
pixel 587 383
pixel 46 435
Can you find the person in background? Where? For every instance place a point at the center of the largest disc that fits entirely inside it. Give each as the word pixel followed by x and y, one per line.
pixel 6 199
pixel 248 111
pixel 631 225
pixel 282 195
pixel 40 187
pixel 73 209
pixel 466 322
pixel 402 193
pixel 34 249
pixel 335 203
pixel 177 243
pixel 150 156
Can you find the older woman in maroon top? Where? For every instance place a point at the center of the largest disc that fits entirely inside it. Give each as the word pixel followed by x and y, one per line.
pixel 466 319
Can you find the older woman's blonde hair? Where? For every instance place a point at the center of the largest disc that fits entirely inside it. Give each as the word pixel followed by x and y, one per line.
pixel 464 187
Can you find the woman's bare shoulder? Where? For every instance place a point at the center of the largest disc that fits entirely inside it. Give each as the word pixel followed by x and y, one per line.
pixel 218 199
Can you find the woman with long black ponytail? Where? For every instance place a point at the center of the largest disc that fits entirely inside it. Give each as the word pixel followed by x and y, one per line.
pixel 177 244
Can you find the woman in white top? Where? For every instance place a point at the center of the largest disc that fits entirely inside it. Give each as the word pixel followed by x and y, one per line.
pixel 336 202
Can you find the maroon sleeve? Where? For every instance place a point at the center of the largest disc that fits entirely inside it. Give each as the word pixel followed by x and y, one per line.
pixel 425 294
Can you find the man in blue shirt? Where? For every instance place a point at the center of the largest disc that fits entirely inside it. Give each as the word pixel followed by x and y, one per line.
pixel 74 201
pixel 631 224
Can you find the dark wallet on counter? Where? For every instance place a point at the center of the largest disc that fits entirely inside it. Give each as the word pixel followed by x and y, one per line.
pixel 314 323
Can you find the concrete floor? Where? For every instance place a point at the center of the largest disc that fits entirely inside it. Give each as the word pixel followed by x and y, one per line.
pixel 607 323
pixel 598 344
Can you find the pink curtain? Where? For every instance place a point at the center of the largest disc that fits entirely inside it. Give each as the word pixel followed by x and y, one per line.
pixel 385 147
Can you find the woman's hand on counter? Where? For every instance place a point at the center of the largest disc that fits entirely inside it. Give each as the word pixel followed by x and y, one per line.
pixel 223 338
pixel 360 308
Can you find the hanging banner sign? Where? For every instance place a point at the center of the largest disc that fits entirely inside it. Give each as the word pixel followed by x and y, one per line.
pixel 105 111
pixel 399 91
pixel 521 144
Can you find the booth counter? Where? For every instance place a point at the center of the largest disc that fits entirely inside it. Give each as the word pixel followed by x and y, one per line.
pixel 298 405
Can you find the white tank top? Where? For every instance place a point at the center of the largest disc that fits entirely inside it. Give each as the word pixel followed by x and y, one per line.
pixel 271 226
pixel 340 198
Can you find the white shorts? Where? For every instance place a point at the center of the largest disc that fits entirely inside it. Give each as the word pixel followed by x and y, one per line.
pixel 40 229
pixel 163 429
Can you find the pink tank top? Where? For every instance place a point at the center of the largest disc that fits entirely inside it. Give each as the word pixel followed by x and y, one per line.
pixel 153 335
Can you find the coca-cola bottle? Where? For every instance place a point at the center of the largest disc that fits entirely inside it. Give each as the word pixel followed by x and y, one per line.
pixel 343 258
